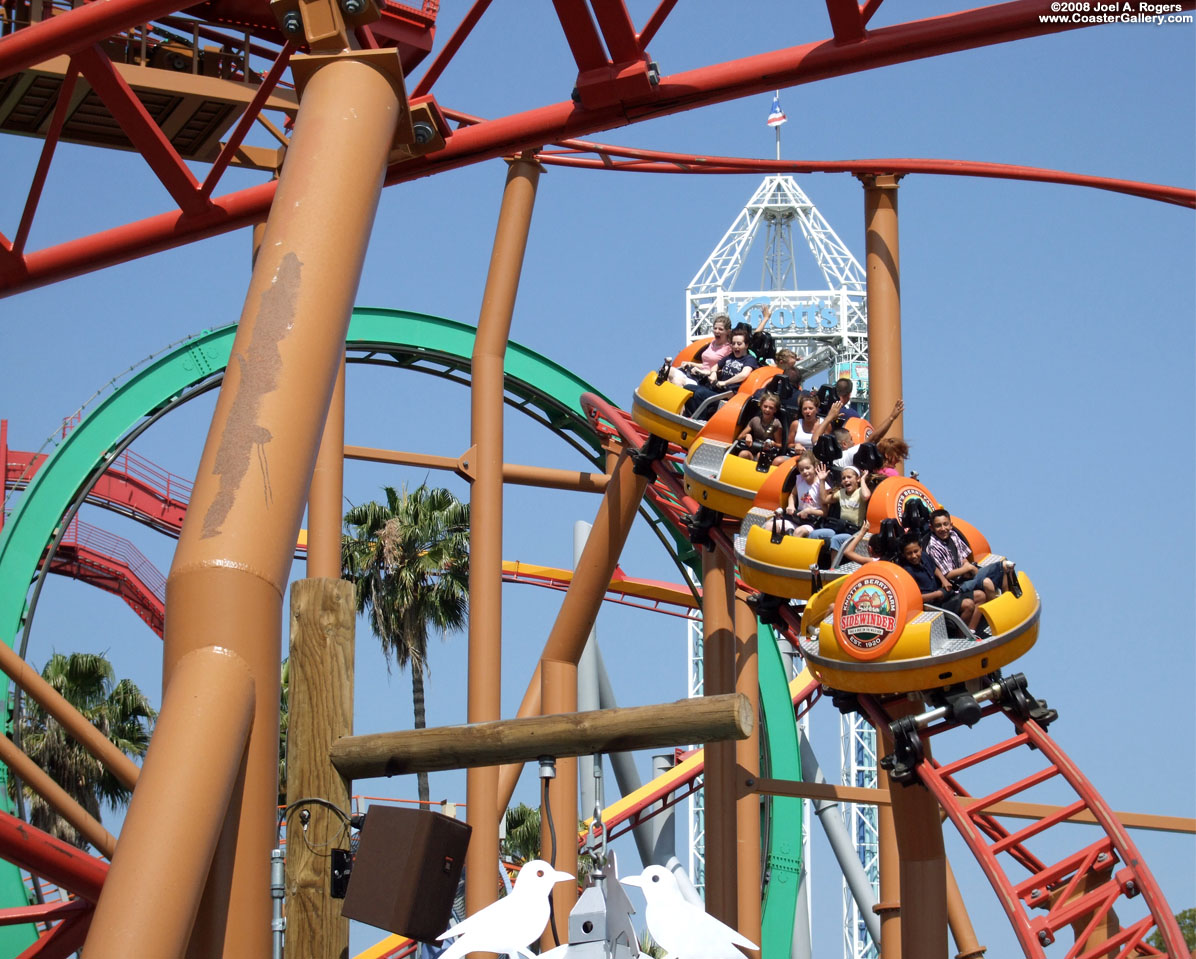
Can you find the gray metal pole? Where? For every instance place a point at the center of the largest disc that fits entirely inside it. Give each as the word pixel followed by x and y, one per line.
pixel 626 775
pixel 587 690
pixel 788 656
pixel 840 842
pixel 684 883
pixel 663 825
pixel 801 946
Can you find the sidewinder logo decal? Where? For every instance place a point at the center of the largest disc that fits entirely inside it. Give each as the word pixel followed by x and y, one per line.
pixel 868 613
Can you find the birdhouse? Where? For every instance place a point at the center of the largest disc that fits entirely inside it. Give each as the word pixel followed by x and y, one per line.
pixel 595 922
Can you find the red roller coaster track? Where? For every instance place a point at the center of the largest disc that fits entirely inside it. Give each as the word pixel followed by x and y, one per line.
pixel 612 91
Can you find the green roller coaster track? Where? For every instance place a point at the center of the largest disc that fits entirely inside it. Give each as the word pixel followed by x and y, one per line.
pixel 433 345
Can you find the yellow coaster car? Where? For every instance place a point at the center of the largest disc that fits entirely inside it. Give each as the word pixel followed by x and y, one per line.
pixel 870 633
pixel 660 406
pixel 715 474
pixel 775 562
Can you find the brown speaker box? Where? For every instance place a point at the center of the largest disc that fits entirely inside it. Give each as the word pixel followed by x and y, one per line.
pixel 406 871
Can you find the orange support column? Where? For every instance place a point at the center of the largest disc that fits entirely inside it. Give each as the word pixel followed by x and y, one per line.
pixel 889 906
pixel 583 598
pixel 236 545
pixel 325 502
pixel 747 761
pixel 177 813
pixel 485 461
pixel 718 657
pixel 967 946
pixel 917 821
pixel 883 271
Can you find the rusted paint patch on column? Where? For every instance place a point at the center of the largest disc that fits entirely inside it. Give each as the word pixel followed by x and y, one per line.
pixel 243 436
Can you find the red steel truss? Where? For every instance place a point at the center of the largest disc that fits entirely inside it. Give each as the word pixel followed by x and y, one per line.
pixel 616 85
pixel 1079 894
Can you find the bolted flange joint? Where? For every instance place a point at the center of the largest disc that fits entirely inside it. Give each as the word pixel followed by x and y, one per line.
pixel 292 24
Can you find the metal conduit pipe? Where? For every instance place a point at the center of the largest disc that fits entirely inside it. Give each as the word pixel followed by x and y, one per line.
pixel 589 768
pixel 840 842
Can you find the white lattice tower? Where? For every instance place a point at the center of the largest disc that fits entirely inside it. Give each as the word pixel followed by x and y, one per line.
pixel 697 800
pixel 857 762
pixel 828 312
pixel 829 315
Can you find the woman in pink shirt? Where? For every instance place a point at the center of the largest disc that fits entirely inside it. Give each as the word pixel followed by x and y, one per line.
pixel 709 358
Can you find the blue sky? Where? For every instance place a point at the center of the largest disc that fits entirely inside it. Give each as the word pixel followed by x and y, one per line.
pixel 1048 353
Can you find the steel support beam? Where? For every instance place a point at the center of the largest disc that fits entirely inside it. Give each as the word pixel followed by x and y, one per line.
pixel 485 517
pixel 236 545
pixel 52 859
pixel 882 267
pixel 747 768
pixel 718 647
pixel 748 76
pixel 583 598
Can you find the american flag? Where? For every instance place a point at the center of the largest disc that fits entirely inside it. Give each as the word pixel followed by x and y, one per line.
pixel 777 117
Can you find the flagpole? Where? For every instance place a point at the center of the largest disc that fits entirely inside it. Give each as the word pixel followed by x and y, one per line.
pixel 778 129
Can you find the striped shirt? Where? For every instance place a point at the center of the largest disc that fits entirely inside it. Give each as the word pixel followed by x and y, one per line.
pixel 950 553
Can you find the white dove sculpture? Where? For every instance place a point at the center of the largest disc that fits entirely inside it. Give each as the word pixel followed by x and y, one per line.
pixel 511 924
pixel 683 930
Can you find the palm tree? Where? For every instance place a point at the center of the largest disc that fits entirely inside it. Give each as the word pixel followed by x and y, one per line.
pixel 284 723
pixel 521 842
pixel 521 837
pixel 409 561
pixel 115 707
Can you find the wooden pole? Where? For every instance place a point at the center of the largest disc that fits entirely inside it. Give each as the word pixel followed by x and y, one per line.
pixel 321 711
pixel 703 719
